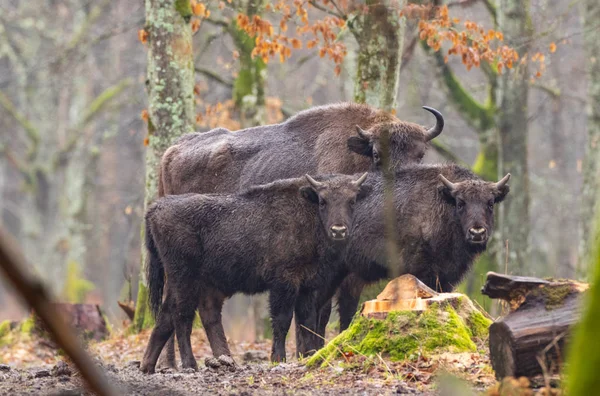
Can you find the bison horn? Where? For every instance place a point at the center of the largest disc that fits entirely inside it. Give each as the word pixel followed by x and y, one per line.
pixel 503 181
pixel 362 133
pixel 447 183
pixel 439 123
pixel 313 182
pixel 361 179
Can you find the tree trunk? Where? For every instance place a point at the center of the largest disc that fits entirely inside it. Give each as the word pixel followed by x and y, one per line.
pixel 170 87
pixel 380 35
pixel 591 169
pixel 514 20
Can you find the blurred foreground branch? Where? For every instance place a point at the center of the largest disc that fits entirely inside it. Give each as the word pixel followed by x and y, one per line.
pixel 33 292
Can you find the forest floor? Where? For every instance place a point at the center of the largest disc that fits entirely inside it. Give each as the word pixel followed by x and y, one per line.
pixel 33 367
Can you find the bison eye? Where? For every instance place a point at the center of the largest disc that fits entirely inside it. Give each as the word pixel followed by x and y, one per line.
pixel 491 205
pixel 322 203
pixel 460 205
pixel 375 155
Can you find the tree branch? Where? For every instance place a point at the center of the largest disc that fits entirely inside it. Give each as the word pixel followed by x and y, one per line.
pixel 31 132
pixel 480 117
pixel 214 76
pixel 552 91
pixel 326 10
pixel 98 104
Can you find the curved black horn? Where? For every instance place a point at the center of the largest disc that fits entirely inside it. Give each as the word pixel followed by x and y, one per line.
pixel 313 182
pixel 362 133
pixel 361 179
pixel 503 181
pixel 447 182
pixel 439 123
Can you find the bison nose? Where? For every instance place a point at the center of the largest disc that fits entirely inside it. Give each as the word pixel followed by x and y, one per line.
pixel 477 234
pixel 338 231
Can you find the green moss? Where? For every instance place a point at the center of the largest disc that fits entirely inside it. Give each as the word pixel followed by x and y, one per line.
pixel 4 328
pixel 27 326
pixel 479 325
pixel 143 317
pixel 405 334
pixel 553 295
pixel 76 287
pixel 184 8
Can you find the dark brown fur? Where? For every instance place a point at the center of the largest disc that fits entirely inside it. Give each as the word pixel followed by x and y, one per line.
pixel 272 237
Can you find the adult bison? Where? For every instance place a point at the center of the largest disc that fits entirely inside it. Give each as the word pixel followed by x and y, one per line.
pixel 340 138
pixel 210 246
pixel 444 219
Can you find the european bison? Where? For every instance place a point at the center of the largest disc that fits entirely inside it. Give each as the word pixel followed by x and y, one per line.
pixel 340 138
pixel 271 237
pixel 444 218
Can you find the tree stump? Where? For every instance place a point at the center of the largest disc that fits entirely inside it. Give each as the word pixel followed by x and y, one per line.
pixel 86 319
pixel 531 339
pixel 406 319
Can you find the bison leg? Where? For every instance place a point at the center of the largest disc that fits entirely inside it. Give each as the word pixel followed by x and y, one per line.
pixel 306 324
pixel 187 301
pixel 160 334
pixel 167 357
pixel 323 318
pixel 281 306
pixel 211 305
pixel 348 298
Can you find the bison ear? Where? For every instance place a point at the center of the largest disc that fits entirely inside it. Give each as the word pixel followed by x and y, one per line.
pixel 360 146
pixel 501 193
pixel 446 194
pixel 309 194
pixel 364 191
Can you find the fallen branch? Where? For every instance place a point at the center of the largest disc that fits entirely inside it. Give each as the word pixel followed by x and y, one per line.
pixel 35 295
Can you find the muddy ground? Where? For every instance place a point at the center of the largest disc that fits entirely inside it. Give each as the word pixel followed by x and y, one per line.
pixel 32 367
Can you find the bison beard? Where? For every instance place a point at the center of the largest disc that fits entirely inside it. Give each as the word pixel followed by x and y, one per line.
pixel 444 218
pixel 209 248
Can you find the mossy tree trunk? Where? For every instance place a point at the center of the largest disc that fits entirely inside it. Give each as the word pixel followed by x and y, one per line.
pixel 170 87
pixel 380 36
pixel 249 85
pixel 515 21
pixel 591 169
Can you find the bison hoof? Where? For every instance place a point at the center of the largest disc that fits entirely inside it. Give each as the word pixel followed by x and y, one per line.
pixel 147 368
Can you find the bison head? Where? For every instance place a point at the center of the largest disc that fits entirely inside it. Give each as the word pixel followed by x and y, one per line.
pixel 473 202
pixel 336 198
pixel 407 141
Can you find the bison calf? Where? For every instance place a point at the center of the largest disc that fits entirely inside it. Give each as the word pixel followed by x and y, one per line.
pixel 271 237
pixel 444 219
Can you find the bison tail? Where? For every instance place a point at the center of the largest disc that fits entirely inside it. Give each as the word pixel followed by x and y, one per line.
pixel 155 273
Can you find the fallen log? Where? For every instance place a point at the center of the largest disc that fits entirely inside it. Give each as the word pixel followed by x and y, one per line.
pixel 531 339
pixel 86 319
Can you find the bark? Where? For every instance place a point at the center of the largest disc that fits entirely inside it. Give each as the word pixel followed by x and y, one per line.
pixel 515 22
pixel 532 338
pixel 380 36
pixel 591 168
pixel 170 87
pixel 249 85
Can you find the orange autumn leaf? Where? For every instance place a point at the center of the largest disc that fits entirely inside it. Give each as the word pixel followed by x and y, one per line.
pixel 199 9
pixel 146 141
pixel 337 70
pixel 552 47
pixel 143 36
pixel 195 25
pixel 144 116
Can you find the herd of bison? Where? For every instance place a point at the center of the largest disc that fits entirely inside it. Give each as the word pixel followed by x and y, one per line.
pixel 297 209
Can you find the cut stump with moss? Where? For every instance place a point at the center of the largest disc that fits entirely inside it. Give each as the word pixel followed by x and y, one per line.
pixel 408 319
pixel 531 339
